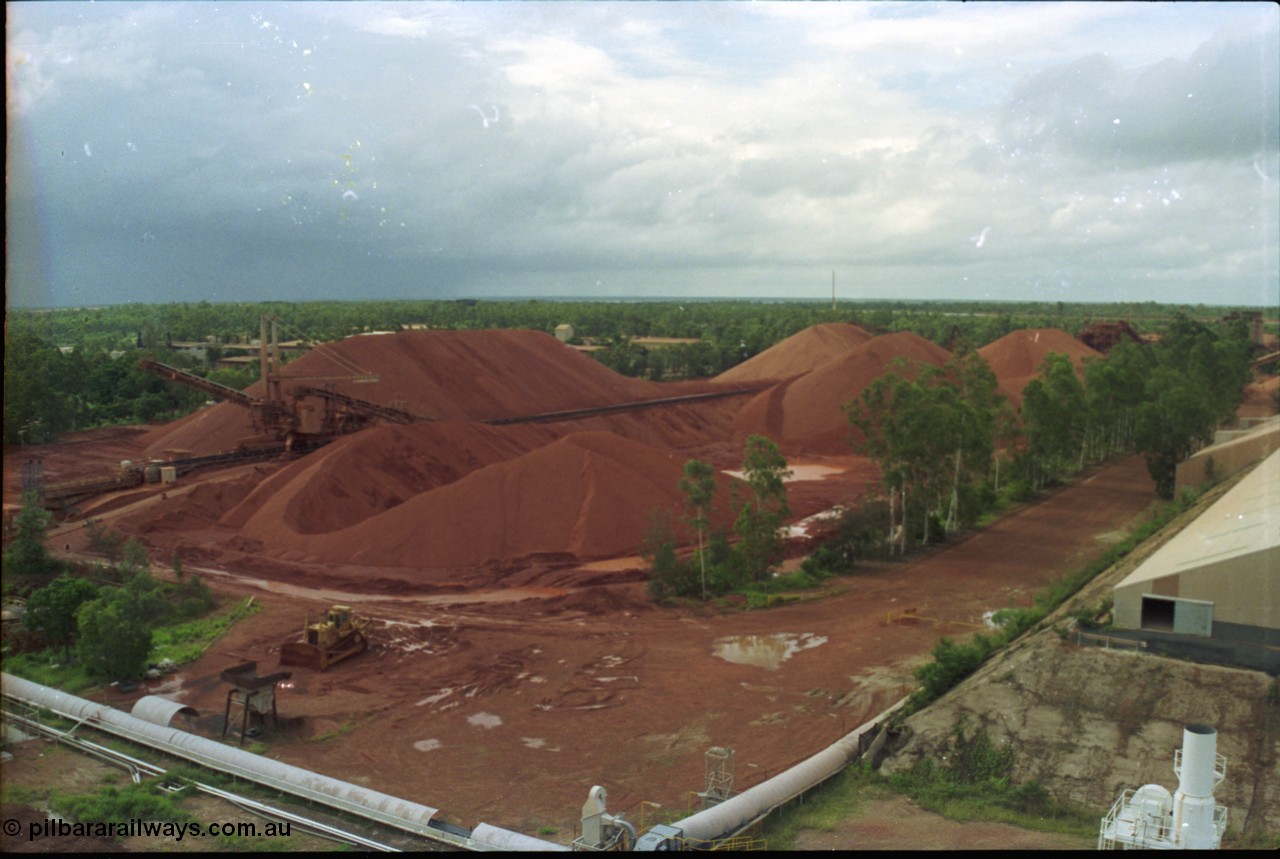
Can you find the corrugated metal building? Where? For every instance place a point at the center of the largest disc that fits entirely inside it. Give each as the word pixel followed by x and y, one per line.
pixel 1219 577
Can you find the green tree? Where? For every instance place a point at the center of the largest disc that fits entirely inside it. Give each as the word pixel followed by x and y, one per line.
pixel 977 413
pixel 699 487
pixel 1196 384
pixel 134 559
pixel 148 597
pixel 667 576
pixel 1054 415
pixel 114 639
pixel 761 516
pixel 1114 387
pixel 1175 419
pixel 27 554
pixel 51 610
pixel 104 540
pixel 193 598
pixel 917 431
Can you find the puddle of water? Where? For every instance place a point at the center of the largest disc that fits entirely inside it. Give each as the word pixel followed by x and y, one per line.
pixel 432 699
pixel 174 684
pixel 486 720
pixel 801 528
pixel 420 624
pixel 799 473
pixel 765 651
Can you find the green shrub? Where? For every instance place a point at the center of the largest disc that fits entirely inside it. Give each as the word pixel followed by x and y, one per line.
pixel 110 804
pixel 114 637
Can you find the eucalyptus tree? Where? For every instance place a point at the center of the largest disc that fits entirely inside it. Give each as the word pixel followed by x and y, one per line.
pixel 932 432
pixel 1195 386
pixel 760 517
pixel 1054 417
pixel 979 413
pixel 699 487
pixel 906 427
pixel 1114 388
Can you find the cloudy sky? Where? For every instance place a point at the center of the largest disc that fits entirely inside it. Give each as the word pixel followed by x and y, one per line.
pixel 252 151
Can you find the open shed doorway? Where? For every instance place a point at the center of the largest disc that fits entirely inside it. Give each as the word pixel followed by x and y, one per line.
pixel 1157 613
pixel 1182 616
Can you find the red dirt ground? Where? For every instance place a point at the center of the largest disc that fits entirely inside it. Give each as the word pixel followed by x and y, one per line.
pixel 516 660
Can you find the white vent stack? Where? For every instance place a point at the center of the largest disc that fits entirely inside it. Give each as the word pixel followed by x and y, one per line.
pixel 1200 769
pixel 1150 817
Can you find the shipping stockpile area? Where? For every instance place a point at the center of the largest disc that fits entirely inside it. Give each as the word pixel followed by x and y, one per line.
pixel 490 544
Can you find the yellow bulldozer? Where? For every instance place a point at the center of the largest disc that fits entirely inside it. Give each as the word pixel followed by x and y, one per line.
pixel 336 636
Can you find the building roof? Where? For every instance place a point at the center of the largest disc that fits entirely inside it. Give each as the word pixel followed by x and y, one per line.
pixel 1244 521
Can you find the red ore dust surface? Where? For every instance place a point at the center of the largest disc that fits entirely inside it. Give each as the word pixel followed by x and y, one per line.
pixel 806 414
pixel 798 354
pixel 587 493
pixel 515 658
pixel 1016 358
pixel 460 375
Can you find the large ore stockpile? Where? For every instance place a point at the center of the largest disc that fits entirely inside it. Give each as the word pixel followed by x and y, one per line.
pixel 798 354
pixel 464 375
pixel 806 414
pixel 359 478
pixel 589 494
pixel 368 473
pixel 1016 357
pixel 458 493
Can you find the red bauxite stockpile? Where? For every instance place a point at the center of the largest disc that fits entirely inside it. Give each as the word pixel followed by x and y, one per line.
pixel 806 414
pixel 456 492
pixel 1016 357
pixel 464 375
pixel 799 353
pixel 368 473
pixel 587 494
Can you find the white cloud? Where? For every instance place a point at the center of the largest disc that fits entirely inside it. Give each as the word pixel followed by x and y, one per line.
pixel 652 140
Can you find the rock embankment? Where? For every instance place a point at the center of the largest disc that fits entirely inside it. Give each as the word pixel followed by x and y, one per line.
pixel 1086 723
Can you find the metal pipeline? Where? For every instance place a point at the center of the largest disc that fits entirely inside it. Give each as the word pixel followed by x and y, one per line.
pixel 400 813
pixel 737 813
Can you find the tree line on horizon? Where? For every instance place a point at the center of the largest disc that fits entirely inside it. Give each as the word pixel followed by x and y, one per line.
pixel 60 375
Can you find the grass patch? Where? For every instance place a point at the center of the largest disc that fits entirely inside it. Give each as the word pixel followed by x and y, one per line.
pixel 179 642
pixel 1257 839
pixel 974 785
pixel 823 808
pixel 340 731
pixel 801 584
pixel 20 795
pixel 186 642
pixel 953 662
pixel 50 668
pixel 110 805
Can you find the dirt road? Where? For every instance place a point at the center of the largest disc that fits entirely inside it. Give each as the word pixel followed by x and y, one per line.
pixel 508 710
